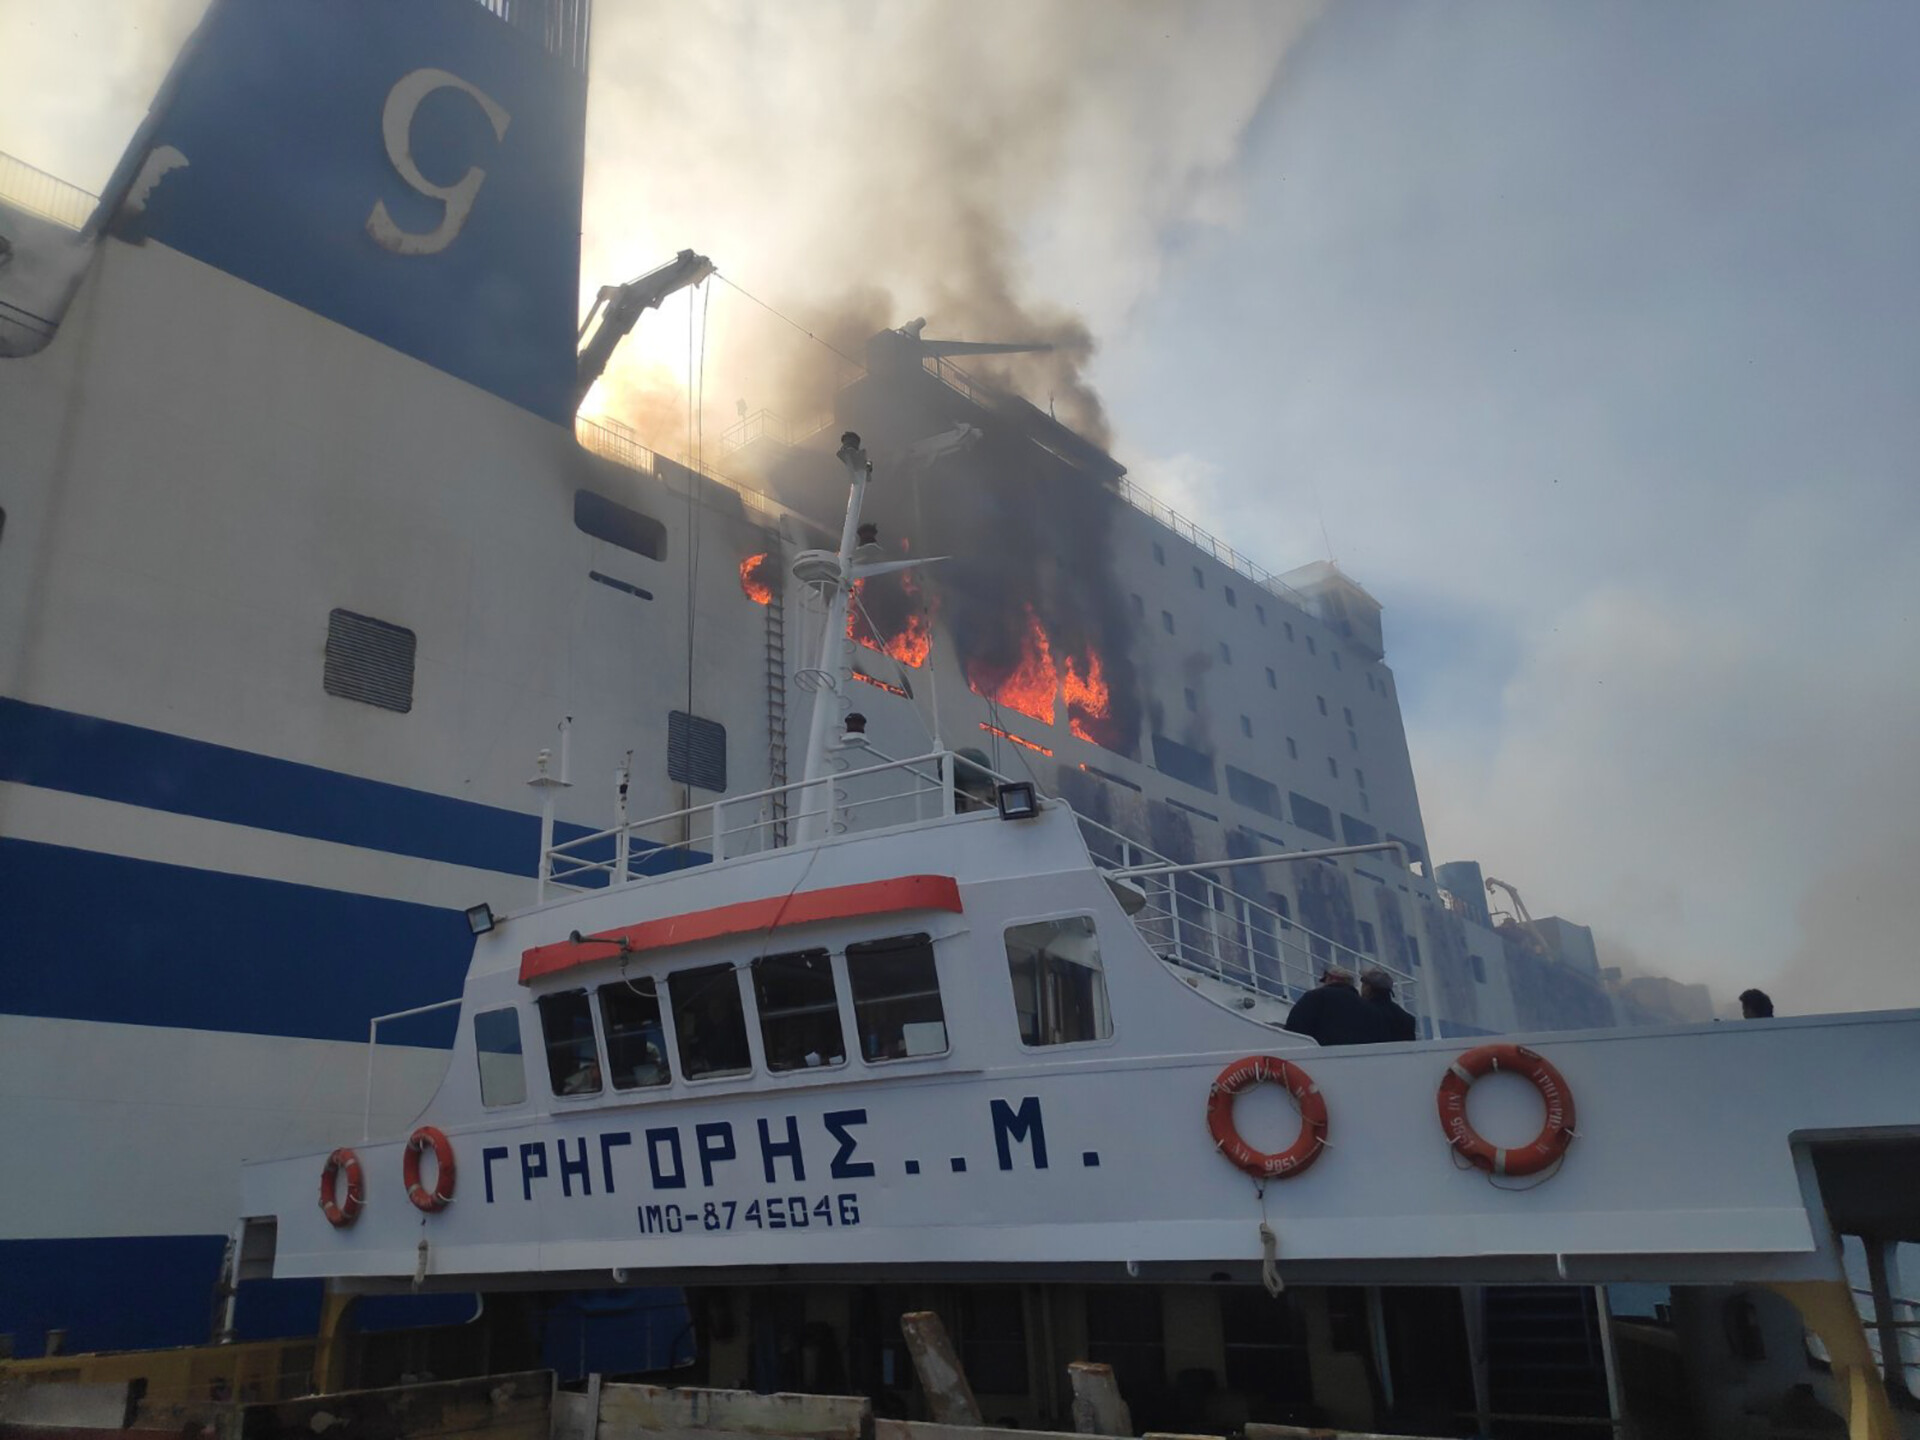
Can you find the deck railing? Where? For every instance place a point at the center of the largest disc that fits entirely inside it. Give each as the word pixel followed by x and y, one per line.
pixel 613 441
pixel 1142 500
pixel 1197 923
pixel 859 797
pixel 1190 920
pixel 1148 504
pixel 26 187
pixel 771 425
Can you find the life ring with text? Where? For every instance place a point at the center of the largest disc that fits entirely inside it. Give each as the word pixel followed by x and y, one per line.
pixel 1244 1074
pixel 341 1211
pixel 422 1140
pixel 1554 1137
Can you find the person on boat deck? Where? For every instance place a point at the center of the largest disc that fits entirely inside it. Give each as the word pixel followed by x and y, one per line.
pixel 1756 1005
pixel 1334 1013
pixel 1376 988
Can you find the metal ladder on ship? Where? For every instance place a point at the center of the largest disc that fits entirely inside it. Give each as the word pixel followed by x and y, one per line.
pixel 776 608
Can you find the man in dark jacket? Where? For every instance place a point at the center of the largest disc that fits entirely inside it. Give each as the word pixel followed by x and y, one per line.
pixel 1376 989
pixel 1334 1013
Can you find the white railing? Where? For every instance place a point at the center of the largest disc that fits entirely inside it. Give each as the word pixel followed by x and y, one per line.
pixel 1188 918
pixel 1150 505
pixel 877 796
pixel 373 1041
pixel 774 426
pixel 28 188
pixel 1194 922
pixel 613 441
pixel 1144 501
pixel 1906 1330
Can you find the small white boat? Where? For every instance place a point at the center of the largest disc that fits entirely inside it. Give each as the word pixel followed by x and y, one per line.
pixel 901 1016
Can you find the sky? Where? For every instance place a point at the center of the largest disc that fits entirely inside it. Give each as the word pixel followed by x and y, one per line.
pixel 1584 336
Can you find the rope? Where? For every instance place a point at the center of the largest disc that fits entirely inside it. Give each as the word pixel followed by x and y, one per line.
pixel 1269 1266
pixel 1269 1249
pixel 791 321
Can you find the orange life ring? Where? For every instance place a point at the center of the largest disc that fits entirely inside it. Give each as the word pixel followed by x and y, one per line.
pixel 422 1140
pixel 341 1213
pixel 1554 1137
pixel 1244 1074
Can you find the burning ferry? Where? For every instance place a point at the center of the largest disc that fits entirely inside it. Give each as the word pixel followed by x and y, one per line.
pixel 307 554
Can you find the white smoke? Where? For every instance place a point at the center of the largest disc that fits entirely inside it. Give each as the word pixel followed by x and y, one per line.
pixel 79 76
pixel 1008 170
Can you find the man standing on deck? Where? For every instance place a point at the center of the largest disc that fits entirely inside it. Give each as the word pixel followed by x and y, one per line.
pixel 1334 1013
pixel 1376 988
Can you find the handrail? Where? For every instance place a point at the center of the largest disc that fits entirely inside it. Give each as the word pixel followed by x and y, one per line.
pixel 1188 917
pixel 28 187
pixel 712 823
pixel 1200 538
pixel 1186 927
pixel 373 1039
pixel 1148 504
pixel 613 441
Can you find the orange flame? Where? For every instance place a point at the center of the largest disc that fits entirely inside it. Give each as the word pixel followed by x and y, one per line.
pixel 1016 739
pixel 756 579
pixel 880 684
pixel 1037 683
pixel 913 642
pixel 1032 685
pixel 1087 697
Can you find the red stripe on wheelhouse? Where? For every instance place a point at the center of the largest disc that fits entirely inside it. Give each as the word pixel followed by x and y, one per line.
pixel 836 902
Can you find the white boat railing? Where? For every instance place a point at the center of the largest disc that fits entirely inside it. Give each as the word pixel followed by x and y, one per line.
pixel 1188 918
pixel 373 1043
pixel 1193 921
pixel 888 793
pixel 1905 1325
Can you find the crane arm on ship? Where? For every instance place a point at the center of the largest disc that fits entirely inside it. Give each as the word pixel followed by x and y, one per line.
pixel 1524 919
pixel 618 307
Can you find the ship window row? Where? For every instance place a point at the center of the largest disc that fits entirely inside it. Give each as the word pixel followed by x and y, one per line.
pixel 893 985
pixel 1233 603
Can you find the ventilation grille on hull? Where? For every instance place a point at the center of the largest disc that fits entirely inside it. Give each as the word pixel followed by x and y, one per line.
pixel 370 661
pixel 696 751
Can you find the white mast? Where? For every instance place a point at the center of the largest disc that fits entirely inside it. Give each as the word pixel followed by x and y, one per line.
pixel 830 575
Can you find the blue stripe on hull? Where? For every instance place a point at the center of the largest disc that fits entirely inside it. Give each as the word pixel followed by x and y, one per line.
pixel 107 938
pixel 61 750
pixel 84 755
pixel 137 1293
pixel 158 1291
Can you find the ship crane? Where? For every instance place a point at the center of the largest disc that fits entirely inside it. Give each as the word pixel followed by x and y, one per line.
pixel 1536 941
pixel 618 309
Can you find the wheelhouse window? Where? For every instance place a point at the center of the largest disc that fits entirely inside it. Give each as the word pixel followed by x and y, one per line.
pixel 636 1040
pixel 799 1011
pixel 896 998
pixel 1059 990
pixel 709 1022
pixel 573 1056
pixel 503 1070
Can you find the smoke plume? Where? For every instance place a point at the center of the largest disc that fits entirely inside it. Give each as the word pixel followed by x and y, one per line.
pixel 1009 171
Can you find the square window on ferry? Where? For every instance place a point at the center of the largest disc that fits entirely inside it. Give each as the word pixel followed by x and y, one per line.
pixel 636 1040
pixel 496 1043
pixel 709 1022
pixel 799 1011
pixel 896 998
pixel 1059 989
pixel 573 1055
